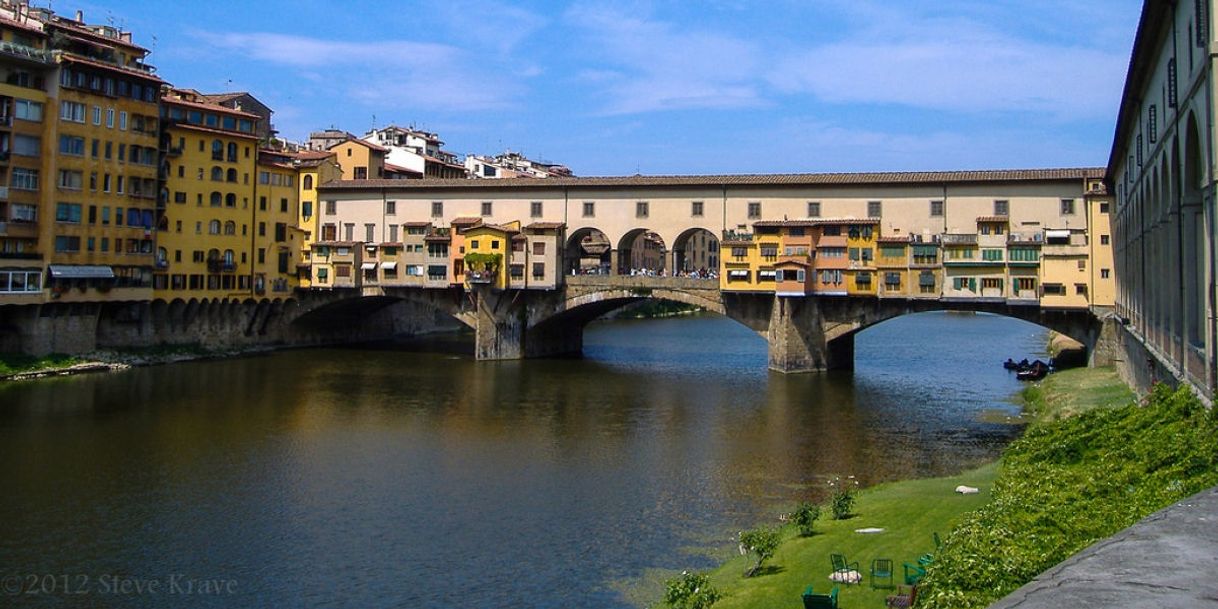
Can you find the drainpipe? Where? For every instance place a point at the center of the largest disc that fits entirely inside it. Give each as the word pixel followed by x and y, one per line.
pixel 1208 197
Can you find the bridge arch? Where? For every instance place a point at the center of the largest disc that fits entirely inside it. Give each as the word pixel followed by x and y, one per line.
pixel 695 249
pixel 642 249
pixel 588 250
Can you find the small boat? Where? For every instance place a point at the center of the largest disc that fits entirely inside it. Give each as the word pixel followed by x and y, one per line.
pixel 1011 364
pixel 1038 370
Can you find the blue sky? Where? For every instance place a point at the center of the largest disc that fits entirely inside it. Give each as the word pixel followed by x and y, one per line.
pixel 671 87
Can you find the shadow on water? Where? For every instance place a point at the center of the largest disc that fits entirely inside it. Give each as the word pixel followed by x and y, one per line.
pixel 418 477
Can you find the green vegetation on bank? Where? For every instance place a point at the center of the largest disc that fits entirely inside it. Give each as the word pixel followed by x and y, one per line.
pixel 1091 463
pixel 1071 482
pixel 16 364
pixel 909 512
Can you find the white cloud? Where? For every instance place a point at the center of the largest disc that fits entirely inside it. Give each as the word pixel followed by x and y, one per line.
pixel 400 73
pixel 647 65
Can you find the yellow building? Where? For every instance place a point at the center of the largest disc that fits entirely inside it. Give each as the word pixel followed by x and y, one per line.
pixel 207 224
pixel 487 248
pixel 314 168
pixel 277 241
pixel 101 182
pixel 360 159
pixel 27 120
pixel 861 238
pixel 1099 210
pixel 892 266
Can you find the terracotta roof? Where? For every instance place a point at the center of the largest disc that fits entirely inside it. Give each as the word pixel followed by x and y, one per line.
pixel 894 239
pixel 799 179
pixel 435 237
pixel 416 224
pixel 546 226
pixel 34 25
pixel 170 99
pixel 81 29
pixel 822 221
pixel 520 238
pixel 786 223
pixel 993 219
pixel 498 227
pixel 110 66
pixel 365 143
pixel 390 244
pixel 465 220
pixel 791 261
pixel 391 168
pixel 338 243
pixel 182 125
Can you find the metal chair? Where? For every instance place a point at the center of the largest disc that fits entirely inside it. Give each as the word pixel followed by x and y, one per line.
pixel 881 573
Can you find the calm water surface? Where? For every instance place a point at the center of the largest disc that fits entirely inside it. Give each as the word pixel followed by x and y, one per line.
pixel 378 478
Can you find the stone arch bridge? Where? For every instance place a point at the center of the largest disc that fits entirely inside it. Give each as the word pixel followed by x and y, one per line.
pixel 804 333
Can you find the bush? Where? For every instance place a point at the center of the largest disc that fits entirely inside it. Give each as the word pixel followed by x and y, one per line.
pixel 690 591
pixel 762 541
pixel 842 503
pixel 804 517
pixel 1067 484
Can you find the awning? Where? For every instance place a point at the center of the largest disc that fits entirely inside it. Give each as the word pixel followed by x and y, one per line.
pixel 368 266
pixel 892 278
pixel 766 274
pixel 863 278
pixel 69 271
pixel 389 266
pixel 926 278
pixel 1057 234
pixel 737 273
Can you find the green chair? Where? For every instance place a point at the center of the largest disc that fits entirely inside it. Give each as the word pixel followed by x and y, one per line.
pixel 845 572
pixel 913 574
pixel 881 573
pixel 820 601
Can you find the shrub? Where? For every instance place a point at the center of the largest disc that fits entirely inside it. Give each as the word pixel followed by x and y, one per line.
pixel 690 591
pixel 1067 484
pixel 842 503
pixel 804 517
pixel 762 541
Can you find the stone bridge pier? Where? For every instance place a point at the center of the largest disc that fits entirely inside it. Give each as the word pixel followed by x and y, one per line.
pixel 804 334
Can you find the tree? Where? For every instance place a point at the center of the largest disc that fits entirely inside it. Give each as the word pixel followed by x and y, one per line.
pixel 690 591
pixel 763 542
pixel 804 517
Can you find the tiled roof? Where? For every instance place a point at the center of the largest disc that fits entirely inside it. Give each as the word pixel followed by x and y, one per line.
pixel 110 66
pixel 416 224
pixel 546 226
pixel 463 220
pixel 993 219
pixel 786 223
pixel 798 179
pixel 894 239
pixel 213 107
pixel 498 227
pixel 370 145
pixel 337 243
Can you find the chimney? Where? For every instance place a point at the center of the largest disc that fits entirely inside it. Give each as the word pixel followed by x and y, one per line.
pixel 80 16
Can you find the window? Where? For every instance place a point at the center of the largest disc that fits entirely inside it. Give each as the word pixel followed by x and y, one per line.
pixel 539 270
pixel 539 248
pixel 361 173
pixel 230 200
pixel 109 118
pixel 1104 208
pixel 739 252
pixel 695 209
pixel 97 114
pixel 437 209
pixel 1103 239
pixel 72 112
pixel 769 252
pixel 486 208
pixel 369 233
pixel 71 180
pixel 307 182
pixel 230 228
pixel 1104 273
pixel 349 231
pixel 1002 207
pixel 70 244
pixel 1054 289
pixel 1080 289
pixel 535 209
pixel 1067 207
pixel 754 210
pixel 20 281
pixel 1152 123
pixel 122 121
pixel 991 283
pixel 641 209
pixel 813 209
pixel 27 110
pixel 589 209
pixel 1082 265
pixel 67 212
pixel 1025 284
pixel 213 227
pixel 306 209
pixel 992 255
pixel 331 208
pixel 391 207
pixel 28 145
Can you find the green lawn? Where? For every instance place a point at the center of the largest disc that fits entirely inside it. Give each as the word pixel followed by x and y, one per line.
pixel 1075 391
pixel 908 511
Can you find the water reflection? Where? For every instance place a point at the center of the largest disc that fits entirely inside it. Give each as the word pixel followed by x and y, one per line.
pixel 362 477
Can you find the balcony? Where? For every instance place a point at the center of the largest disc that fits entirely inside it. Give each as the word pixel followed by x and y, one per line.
pixel 737 236
pixel 3 193
pixel 21 230
pixel 948 239
pixel 485 277
pixel 162 265
pixel 221 266
pixel 25 53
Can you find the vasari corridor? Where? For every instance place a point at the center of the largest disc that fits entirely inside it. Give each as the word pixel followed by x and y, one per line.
pixel 824 305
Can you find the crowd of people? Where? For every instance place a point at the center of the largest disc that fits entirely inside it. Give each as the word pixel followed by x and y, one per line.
pixel 702 273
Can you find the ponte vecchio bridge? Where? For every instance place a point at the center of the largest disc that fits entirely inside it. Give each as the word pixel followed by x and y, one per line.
pixel 805 260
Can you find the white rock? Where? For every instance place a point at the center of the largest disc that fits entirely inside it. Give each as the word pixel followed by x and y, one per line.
pixel 967 490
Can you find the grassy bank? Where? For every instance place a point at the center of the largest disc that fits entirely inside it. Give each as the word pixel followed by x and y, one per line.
pixel 17 364
pixel 911 511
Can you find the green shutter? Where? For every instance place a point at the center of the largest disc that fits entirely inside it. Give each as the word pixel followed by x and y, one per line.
pixel 972 284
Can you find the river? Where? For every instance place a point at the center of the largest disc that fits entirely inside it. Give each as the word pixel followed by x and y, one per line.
pixel 415 477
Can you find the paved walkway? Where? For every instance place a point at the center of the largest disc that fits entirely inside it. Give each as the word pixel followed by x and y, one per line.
pixel 1168 560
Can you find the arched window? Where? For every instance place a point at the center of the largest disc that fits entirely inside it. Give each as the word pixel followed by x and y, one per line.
pixel 228 256
pixel 213 254
pixel 230 200
pixel 215 199
pixel 230 228
pixel 308 182
pixel 232 176
pixel 213 227
pixel 162 254
pixel 217 150
pixel 217 174
pixel 232 152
